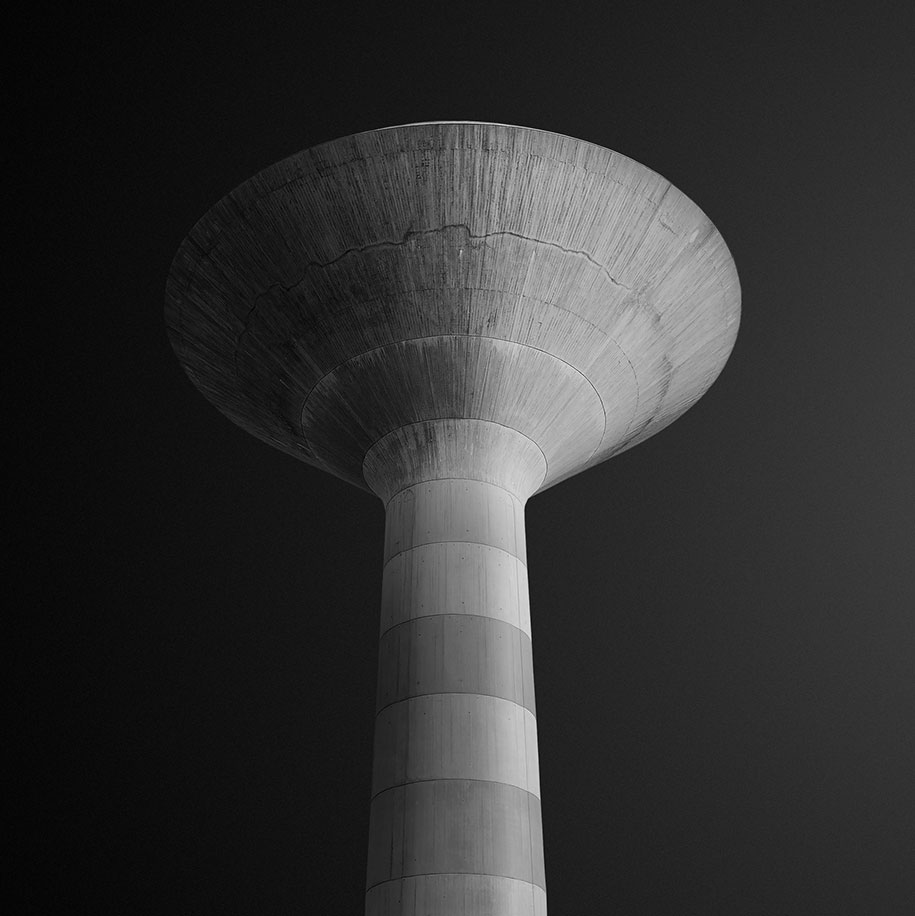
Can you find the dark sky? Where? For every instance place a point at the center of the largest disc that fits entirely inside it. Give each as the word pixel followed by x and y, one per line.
pixel 723 619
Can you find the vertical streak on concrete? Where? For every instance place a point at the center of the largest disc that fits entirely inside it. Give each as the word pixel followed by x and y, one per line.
pixel 455 815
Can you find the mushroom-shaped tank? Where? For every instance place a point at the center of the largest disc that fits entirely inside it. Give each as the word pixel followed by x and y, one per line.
pixel 454 285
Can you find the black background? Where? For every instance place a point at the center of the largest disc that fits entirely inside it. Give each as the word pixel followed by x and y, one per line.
pixel 723 616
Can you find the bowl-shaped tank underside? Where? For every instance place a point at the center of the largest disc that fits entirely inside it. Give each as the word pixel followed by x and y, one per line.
pixel 454 270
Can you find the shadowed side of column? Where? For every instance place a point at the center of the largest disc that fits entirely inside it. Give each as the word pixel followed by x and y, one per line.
pixel 455 817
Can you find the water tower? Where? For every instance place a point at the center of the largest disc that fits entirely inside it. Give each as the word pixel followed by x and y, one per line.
pixel 454 316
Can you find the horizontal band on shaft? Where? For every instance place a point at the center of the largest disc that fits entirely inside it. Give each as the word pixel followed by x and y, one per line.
pixel 455 735
pixel 455 895
pixel 416 696
pixel 455 826
pixel 413 782
pixel 451 510
pixel 455 653
pixel 454 577
pixel 407 550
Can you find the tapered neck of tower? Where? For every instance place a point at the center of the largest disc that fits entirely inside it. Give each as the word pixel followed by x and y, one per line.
pixel 455 449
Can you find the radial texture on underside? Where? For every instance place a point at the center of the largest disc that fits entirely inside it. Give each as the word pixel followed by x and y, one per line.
pixel 532 282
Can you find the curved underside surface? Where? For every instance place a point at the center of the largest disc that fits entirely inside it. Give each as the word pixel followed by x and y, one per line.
pixel 548 288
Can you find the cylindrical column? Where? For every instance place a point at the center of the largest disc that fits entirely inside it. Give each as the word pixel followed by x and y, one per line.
pixel 455 816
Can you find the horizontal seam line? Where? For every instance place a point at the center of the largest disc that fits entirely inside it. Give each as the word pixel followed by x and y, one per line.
pixel 356 356
pixel 507 623
pixel 475 874
pixel 427 543
pixel 413 782
pixel 546 461
pixel 438 693
pixel 474 479
pixel 456 693
pixel 451 614
pixel 403 340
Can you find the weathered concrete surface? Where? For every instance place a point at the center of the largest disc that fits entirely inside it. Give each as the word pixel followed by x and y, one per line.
pixel 455 819
pixel 454 316
pixel 454 270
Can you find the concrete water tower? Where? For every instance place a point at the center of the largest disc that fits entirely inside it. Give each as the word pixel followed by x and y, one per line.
pixel 454 316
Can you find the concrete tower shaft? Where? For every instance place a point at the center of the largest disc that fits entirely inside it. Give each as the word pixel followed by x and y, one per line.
pixel 455 823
